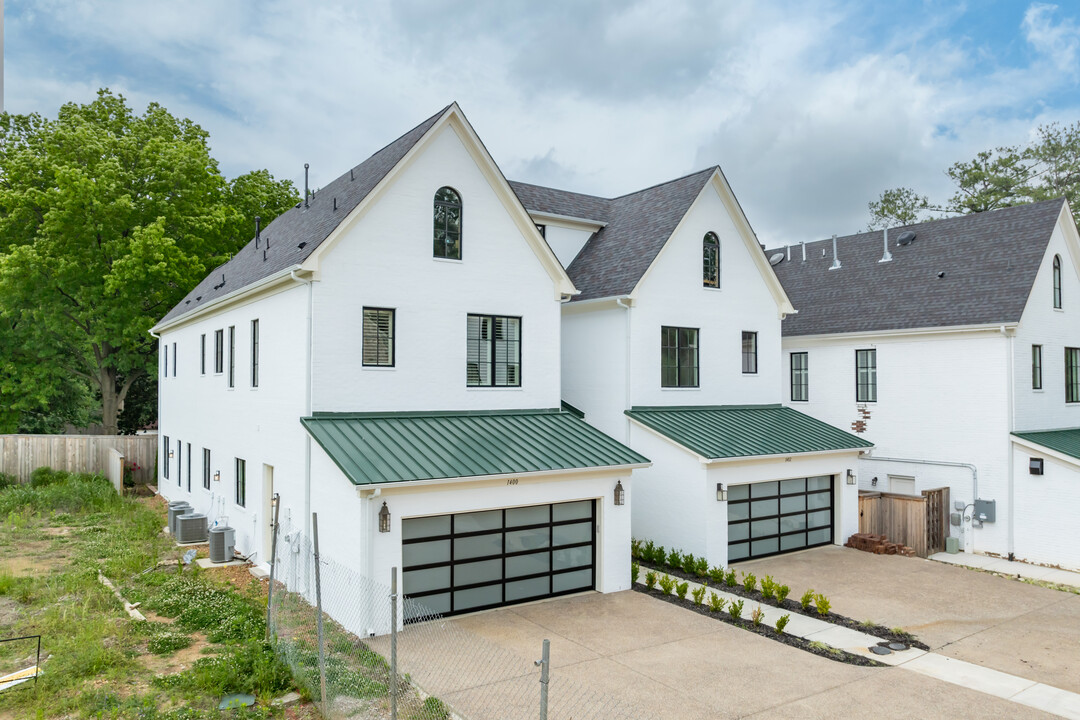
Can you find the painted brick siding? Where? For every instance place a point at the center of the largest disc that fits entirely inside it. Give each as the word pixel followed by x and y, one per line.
pixel 1046 510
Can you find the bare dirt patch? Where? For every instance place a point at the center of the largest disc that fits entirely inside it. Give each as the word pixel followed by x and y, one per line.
pixel 58 531
pixel 33 557
pixel 178 661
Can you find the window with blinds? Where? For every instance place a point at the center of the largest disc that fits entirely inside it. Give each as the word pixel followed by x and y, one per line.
pixel 493 355
pixel 378 337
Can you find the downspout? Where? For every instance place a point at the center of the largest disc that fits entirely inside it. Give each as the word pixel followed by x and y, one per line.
pixel 307 408
pixel 626 402
pixel 1011 395
pixel 157 482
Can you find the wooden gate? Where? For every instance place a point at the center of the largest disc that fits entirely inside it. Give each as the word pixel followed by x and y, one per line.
pixel 921 523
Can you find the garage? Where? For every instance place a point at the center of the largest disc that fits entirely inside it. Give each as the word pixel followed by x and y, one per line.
pixel 769 518
pixel 472 561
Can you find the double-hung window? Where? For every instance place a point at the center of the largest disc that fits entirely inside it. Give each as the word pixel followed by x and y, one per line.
pixel 206 468
pixel 219 351
pixel 865 376
pixel 174 359
pixel 749 353
pixel 168 460
pixel 165 360
pixel 179 463
pixel 378 348
pixel 493 355
pixel 189 467
pixel 678 357
pixel 255 353
pixel 241 482
pixel 202 354
pixel 232 356
pixel 800 376
pixel 1036 367
pixel 1072 375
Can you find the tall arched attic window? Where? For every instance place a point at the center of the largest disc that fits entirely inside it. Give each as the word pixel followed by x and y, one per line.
pixel 1057 282
pixel 447 213
pixel 710 264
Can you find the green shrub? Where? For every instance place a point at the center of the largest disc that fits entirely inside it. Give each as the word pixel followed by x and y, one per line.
pixel 168 642
pixel 250 667
pixel 681 588
pixel 635 570
pixel 698 594
pixel 667 584
pixel 434 709
pixel 716 603
pixel 735 608
pixel 7 481
pixel 729 579
pixel 701 567
pixel 659 555
pixel 674 558
pixel 757 616
pixel 650 579
pixel 45 476
pixel 648 551
pixel 749 581
pixel 822 603
pixel 688 563
pixel 716 575
pixel 782 593
pixel 635 548
pixel 781 623
pixel 768 587
pixel 807 599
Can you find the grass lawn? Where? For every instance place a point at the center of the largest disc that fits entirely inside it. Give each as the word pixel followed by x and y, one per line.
pixel 203 637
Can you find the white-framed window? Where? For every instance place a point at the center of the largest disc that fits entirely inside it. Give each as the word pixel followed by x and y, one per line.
pixel 1057 282
pixel 219 351
pixel 678 357
pixel 493 355
pixel 202 354
pixel 447 215
pixel 232 356
pixel 378 330
pixel 174 359
pixel 241 482
pixel 206 468
pixel 710 263
pixel 167 459
pixel 749 353
pixel 865 376
pixel 1036 367
pixel 255 353
pixel 800 376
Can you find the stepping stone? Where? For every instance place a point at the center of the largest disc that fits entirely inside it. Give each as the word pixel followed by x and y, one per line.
pixel 898 647
pixel 879 650
pixel 286 700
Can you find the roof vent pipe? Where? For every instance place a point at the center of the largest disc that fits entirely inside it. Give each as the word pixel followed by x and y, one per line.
pixel 802 244
pixel 887 257
pixel 835 260
pixel 258 221
pixel 787 251
pixel 351 176
pixel 305 185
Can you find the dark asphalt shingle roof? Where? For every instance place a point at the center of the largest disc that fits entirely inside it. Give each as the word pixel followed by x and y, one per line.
pixel 298 225
pixel 638 226
pixel 990 260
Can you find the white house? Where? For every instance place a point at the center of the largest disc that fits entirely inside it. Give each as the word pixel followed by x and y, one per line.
pixel 949 344
pixel 401 381
pixel 673 346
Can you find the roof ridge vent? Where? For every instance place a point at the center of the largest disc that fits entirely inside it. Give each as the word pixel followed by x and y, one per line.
pixel 906 237
pixel 835 260
pixel 887 257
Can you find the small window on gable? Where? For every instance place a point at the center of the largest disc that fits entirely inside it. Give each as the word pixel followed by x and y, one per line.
pixel 447 224
pixel 710 264
pixel 1057 282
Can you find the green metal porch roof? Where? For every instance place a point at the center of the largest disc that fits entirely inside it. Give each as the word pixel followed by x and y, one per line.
pixel 1065 441
pixel 378 448
pixel 719 432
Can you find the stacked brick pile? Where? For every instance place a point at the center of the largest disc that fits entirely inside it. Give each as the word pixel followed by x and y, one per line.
pixel 878 544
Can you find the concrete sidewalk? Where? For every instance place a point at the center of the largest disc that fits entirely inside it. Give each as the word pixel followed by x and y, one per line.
pixel 1010 567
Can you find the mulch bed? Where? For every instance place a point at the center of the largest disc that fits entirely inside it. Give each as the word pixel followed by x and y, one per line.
pixel 794 606
pixel 763 630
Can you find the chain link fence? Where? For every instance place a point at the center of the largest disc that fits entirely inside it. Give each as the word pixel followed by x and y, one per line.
pixel 443 670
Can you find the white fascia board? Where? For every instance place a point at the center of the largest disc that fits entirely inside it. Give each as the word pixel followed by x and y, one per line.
pixel 225 300
pixel 870 335
pixel 388 488
pixel 569 221
pixel 604 303
pixel 1032 447
pixel 813 453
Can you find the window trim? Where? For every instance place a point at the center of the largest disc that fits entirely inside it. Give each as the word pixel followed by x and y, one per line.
pixel 232 356
pixel 179 463
pixel 1057 282
pixel 165 465
pixel 206 468
pixel 174 359
pixel 189 467
pixel 240 476
pixel 678 366
pixel 804 371
pixel 255 353
pixel 711 242
pixel 753 355
pixel 166 360
pixel 1036 367
pixel 1072 389
pixel 460 204
pixel 202 354
pixel 871 384
pixel 393 336
pixel 219 351
pixel 491 350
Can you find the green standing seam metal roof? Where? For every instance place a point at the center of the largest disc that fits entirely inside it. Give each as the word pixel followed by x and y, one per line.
pixel 378 448
pixel 1065 441
pixel 718 432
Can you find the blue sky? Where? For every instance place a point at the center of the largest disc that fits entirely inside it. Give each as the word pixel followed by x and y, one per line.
pixel 811 108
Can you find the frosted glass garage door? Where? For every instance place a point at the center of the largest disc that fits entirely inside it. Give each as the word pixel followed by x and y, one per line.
pixel 473 561
pixel 781 516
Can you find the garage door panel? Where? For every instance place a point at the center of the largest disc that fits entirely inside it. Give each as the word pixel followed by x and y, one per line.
pixel 576 580
pixel 476 572
pixel 527 589
pixel 779 516
pixel 533 564
pixel 566 558
pixel 477 546
pixel 532 539
pixel 425 553
pixel 478 597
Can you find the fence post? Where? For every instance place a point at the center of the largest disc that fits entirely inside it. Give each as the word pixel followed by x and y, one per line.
pixel 393 644
pixel 273 563
pixel 318 602
pixel 544 662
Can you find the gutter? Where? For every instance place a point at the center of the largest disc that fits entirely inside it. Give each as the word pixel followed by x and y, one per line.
pixel 1010 376
pixel 307 402
pixel 213 304
pixel 629 385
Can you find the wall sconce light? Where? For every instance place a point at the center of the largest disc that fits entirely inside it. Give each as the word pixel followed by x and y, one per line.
pixel 721 493
pixel 1035 466
pixel 384 518
pixel 873 482
pixel 170 453
pixel 217 476
pixel 620 494
pixel 850 477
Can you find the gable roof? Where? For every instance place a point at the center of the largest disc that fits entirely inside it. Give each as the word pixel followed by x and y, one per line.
pixel 302 226
pixel 725 432
pixel 990 260
pixel 618 255
pixel 378 448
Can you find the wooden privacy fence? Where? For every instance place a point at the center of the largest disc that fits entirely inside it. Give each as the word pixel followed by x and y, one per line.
pixel 20 455
pixel 918 522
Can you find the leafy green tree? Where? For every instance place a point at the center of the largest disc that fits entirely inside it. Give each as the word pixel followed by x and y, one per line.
pixel 107 219
pixel 898 206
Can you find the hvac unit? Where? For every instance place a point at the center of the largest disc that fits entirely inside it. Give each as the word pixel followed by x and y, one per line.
pixel 176 508
pixel 191 528
pixel 222 544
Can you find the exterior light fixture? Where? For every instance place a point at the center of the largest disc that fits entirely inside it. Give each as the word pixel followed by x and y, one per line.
pixel 1035 466
pixel 850 477
pixel 620 494
pixel 170 453
pixel 217 475
pixel 721 493
pixel 384 518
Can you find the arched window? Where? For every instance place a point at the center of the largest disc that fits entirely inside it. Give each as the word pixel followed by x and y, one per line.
pixel 710 264
pixel 1057 282
pixel 447 224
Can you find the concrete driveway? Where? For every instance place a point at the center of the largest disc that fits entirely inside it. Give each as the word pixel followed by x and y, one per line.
pixel 996 622
pixel 666 662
